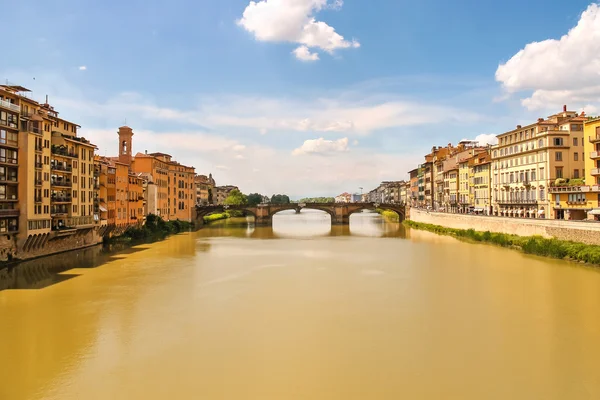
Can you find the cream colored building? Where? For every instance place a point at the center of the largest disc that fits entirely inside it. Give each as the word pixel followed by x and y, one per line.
pixel 480 182
pixel 528 159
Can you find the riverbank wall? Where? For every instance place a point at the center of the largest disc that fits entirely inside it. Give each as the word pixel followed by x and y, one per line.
pixel 575 231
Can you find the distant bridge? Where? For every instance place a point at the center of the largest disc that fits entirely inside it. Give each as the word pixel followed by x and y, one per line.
pixel 340 212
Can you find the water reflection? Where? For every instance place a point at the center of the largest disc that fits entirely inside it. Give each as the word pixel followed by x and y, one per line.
pixel 46 271
pixel 307 224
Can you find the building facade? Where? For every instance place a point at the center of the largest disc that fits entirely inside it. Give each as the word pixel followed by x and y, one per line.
pixel 205 187
pixel 529 159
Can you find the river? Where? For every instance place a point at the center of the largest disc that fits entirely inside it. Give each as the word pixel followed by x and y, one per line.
pixel 301 310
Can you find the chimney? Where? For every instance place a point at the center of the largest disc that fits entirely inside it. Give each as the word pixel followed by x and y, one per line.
pixel 565 108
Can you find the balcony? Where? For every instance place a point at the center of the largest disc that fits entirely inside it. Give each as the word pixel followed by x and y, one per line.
pixel 60 151
pixel 517 201
pixel 38 182
pixel 9 213
pixel 595 139
pixel 61 199
pixel 595 154
pixel 38 148
pixel 59 211
pixel 595 171
pixel 568 189
pixel 38 165
pixel 61 183
pixel 10 106
pixel 38 199
pixel 62 168
pixel 577 203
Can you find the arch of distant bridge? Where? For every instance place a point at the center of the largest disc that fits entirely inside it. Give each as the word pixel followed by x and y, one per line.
pixel 339 212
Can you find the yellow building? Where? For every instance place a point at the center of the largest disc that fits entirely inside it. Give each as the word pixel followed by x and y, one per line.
pixel 53 167
pixel 528 159
pixel 479 182
pixel 592 166
pixel 9 169
pixel 581 200
pixel 464 198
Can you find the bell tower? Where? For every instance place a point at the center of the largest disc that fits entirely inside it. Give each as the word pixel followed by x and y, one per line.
pixel 125 139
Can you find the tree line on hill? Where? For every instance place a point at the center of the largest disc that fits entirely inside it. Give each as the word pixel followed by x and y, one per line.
pixel 237 198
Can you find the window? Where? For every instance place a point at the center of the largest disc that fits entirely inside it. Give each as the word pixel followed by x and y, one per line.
pixel 542 174
pixel 9 138
pixel 558 156
pixel 574 141
pixel 576 174
pixel 559 172
pixel 576 156
pixel 8 156
pixel 558 141
pixel 542 194
pixel 541 143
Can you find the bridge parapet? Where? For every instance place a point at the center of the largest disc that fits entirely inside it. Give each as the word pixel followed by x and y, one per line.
pixel 339 212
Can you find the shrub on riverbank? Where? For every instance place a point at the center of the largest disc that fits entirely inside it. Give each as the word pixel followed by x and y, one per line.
pixel 216 217
pixel 388 215
pixel 535 245
pixel 154 228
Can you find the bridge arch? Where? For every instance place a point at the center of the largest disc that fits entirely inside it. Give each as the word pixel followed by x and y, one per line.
pixel 398 210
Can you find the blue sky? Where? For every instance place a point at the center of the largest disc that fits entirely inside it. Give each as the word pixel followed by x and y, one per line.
pixel 306 97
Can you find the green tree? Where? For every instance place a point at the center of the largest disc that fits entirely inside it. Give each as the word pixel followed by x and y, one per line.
pixel 254 199
pixel 317 200
pixel 236 198
pixel 280 199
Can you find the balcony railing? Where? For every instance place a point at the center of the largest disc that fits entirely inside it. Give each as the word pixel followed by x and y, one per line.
pixel 10 106
pixel 595 154
pixel 517 201
pixel 38 182
pixel 38 165
pixel 38 148
pixel 63 152
pixel 9 213
pixel 595 139
pixel 38 199
pixel 61 199
pixel 60 167
pixel 577 203
pixel 595 171
pixel 61 183
pixel 568 189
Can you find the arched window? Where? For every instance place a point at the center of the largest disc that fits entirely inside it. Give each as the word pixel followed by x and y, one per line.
pixel 124 147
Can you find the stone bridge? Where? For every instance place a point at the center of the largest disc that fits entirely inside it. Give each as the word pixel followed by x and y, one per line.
pixel 339 212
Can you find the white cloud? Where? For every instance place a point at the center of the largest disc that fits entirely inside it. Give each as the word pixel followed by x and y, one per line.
pixel 293 21
pixel 239 157
pixel 355 142
pixel 322 146
pixel 303 53
pixel 486 138
pixel 558 71
pixel 239 147
pixel 222 167
pixel 82 68
pixel 263 131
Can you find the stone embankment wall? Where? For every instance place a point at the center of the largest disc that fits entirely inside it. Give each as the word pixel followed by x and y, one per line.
pixel 577 231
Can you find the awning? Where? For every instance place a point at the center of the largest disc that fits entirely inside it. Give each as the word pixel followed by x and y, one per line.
pixel 478 209
pixel 102 208
pixel 595 211
pixel 541 212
